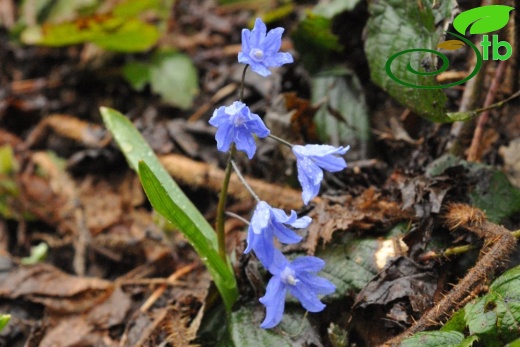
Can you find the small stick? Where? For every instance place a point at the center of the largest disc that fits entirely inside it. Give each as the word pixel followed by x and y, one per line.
pixel 159 291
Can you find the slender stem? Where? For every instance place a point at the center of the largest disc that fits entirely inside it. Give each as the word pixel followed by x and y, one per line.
pixel 234 215
pixel 243 83
pixel 475 149
pixel 221 234
pixel 280 140
pixel 244 182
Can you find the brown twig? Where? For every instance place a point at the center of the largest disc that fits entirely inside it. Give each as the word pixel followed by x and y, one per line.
pixel 498 245
pixel 159 291
pixel 198 174
pixel 474 152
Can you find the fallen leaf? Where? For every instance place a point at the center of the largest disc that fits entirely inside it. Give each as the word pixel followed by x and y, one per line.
pixel 350 213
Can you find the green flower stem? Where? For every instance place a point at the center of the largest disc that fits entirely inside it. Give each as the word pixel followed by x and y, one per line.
pixel 221 234
pixel 244 182
pixel 281 140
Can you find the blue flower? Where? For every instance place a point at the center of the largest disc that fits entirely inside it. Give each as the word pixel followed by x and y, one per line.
pixel 237 124
pixel 299 277
pixel 260 51
pixel 268 222
pixel 310 160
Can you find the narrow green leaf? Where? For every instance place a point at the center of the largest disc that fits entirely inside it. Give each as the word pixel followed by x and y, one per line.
pixel 135 149
pixel 397 26
pixel 483 19
pixel 176 214
pixel 4 320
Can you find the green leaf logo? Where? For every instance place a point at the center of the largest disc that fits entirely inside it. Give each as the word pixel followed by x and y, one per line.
pixel 483 20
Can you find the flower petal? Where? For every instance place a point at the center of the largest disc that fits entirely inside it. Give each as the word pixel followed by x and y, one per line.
pixel 330 163
pixel 245 141
pixel 309 176
pixel 263 245
pixel 273 41
pixel 285 235
pixel 307 264
pixel 246 47
pixel 274 301
pixel 260 69
pixel 302 222
pixel 279 262
pixel 224 137
pixel 318 284
pixel 278 59
pixel 257 34
pixel 257 126
pixel 307 297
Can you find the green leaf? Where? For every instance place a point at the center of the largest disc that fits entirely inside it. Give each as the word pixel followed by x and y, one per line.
pixel 329 9
pixel 492 192
pixel 38 254
pixel 457 322
pixel 397 26
pixel 495 317
pixel 111 33
pixel 8 163
pixel 294 330
pixel 314 39
pixel 133 8
pixel 4 320
pixel 176 213
pixel 495 195
pixel 174 77
pixel 349 264
pixel 515 343
pixel 483 19
pixel 434 339
pixel 137 74
pixel 345 95
pixel 135 149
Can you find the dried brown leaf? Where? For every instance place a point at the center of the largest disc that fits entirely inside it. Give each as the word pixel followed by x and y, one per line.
pixel 39 283
pixel 350 213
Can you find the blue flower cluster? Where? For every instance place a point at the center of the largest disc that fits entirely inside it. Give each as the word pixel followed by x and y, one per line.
pixel 237 124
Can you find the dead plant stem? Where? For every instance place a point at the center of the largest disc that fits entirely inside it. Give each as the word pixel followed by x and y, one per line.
pixel 474 152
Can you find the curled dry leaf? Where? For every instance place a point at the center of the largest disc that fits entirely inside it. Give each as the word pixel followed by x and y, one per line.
pixel 348 213
pixel 38 284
